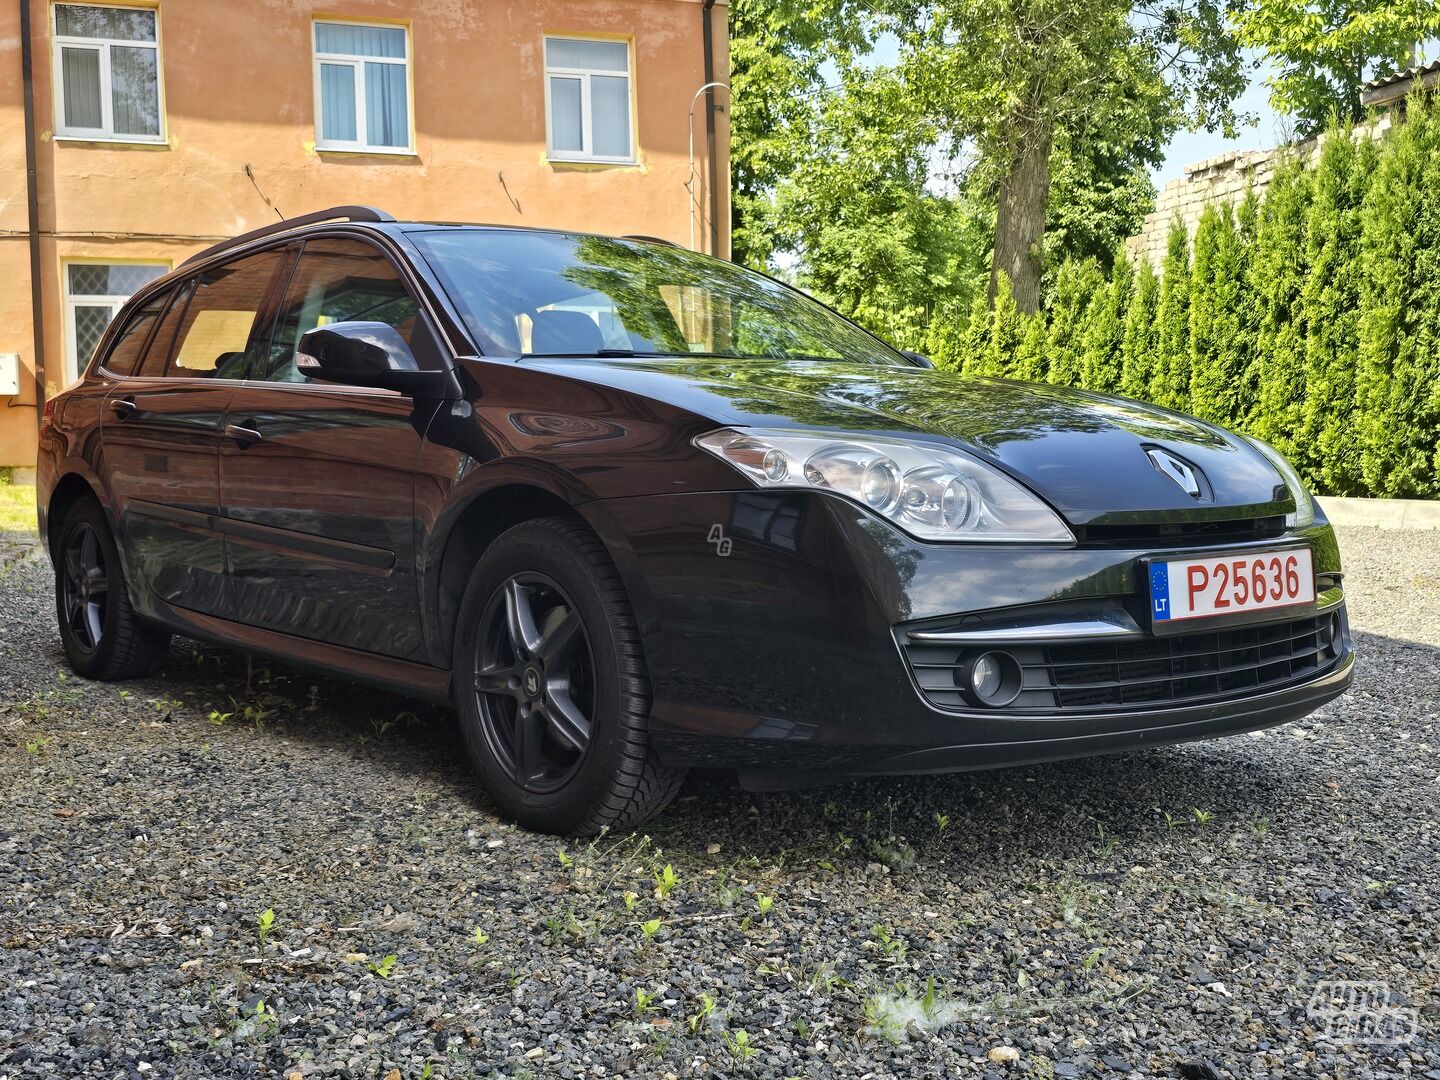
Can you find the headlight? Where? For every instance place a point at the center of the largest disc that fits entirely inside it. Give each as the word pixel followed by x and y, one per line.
pixel 1304 506
pixel 931 492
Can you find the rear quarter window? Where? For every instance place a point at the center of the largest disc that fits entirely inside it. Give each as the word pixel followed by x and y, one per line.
pixel 130 341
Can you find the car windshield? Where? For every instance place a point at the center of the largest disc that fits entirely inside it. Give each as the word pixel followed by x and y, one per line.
pixel 558 294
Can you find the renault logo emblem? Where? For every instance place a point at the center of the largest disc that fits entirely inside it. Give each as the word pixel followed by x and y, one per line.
pixel 1182 472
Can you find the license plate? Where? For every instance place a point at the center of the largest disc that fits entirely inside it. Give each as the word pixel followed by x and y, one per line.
pixel 1230 584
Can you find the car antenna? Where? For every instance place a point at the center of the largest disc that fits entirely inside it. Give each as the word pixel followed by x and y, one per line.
pixel 256 184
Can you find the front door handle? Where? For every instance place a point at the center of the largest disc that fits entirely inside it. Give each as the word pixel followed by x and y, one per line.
pixel 245 434
pixel 124 408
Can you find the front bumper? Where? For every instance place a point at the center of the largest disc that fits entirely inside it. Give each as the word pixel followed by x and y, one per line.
pixel 770 620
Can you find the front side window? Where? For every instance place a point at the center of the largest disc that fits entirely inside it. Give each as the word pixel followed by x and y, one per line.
pixel 107 73
pixel 215 335
pixel 587 87
pixel 94 292
pixel 362 87
pixel 337 280
pixel 556 294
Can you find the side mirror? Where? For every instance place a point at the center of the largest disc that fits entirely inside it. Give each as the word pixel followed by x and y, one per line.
pixel 367 354
pixel 918 359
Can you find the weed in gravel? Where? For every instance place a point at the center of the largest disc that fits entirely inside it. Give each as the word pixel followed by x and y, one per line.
pixel 892 945
pixel 665 881
pixel 894 853
pixel 650 927
pixel 265 921
pixel 1259 824
pixel 384 967
pixel 1105 846
pixel 896 1014
pixel 701 1014
pixel 1202 817
pixel 38 743
pixel 739 1045
pixel 629 899
pixel 219 718
pixel 763 904
pixel 257 1020
pixel 645 1000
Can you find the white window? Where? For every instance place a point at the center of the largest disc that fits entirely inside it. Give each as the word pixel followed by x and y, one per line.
pixel 94 292
pixel 587 94
pixel 107 73
pixel 362 87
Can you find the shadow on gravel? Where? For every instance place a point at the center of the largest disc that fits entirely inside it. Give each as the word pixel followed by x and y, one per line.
pixel 984 818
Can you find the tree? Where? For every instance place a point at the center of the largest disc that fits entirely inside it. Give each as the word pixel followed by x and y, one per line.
pixel 1140 347
pixel 1170 377
pixel 870 237
pixel 1331 298
pixel 1077 282
pixel 1399 367
pixel 1104 338
pixel 1325 50
pixel 778 55
pixel 1014 78
pixel 1222 360
pixel 1281 266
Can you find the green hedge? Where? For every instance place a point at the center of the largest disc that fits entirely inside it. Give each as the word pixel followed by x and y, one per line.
pixel 1309 317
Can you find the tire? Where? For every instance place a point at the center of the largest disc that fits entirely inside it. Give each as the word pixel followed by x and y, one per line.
pixel 561 743
pixel 103 637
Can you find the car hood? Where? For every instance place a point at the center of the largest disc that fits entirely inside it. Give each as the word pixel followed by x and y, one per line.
pixel 1085 453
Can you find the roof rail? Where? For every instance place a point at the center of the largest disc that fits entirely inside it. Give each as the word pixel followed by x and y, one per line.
pixel 335 213
pixel 649 239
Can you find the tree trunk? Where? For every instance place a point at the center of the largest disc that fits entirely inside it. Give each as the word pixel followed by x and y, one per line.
pixel 1020 217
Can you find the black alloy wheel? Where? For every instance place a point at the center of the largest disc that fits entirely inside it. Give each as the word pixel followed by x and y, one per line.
pixel 84 587
pixel 102 635
pixel 551 686
pixel 535 682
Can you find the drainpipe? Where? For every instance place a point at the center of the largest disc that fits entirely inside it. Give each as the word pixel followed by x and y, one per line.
pixel 708 38
pixel 32 204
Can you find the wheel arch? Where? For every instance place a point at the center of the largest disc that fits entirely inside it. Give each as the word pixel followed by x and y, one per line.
pixel 469 529
pixel 69 489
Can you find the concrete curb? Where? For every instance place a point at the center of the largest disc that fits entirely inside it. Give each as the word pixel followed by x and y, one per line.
pixel 1381 513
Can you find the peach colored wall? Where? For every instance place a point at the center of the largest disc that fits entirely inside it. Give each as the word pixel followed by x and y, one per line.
pixel 238 90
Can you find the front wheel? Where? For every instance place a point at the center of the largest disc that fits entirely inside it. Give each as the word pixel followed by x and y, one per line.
pixel 551 687
pixel 102 635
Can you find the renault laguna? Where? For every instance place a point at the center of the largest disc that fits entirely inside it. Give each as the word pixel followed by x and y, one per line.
pixel 631 510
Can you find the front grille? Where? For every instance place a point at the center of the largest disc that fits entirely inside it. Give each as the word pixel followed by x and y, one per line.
pixel 1141 672
pixel 1180 533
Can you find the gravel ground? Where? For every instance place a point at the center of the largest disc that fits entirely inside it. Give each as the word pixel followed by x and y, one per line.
pixel 1168 913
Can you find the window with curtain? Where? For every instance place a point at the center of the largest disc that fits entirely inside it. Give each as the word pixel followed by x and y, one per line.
pixel 362 87
pixel 107 73
pixel 587 87
pixel 94 292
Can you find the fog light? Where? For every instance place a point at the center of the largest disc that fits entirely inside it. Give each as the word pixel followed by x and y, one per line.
pixel 1330 636
pixel 991 679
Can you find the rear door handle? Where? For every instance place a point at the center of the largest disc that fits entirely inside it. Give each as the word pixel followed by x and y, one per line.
pixel 124 408
pixel 245 434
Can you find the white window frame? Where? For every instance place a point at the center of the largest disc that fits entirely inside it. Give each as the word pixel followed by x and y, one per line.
pixel 587 130
pixel 73 359
pixel 106 131
pixel 357 72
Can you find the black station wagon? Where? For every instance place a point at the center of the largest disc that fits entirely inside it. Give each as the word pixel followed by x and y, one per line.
pixel 631 509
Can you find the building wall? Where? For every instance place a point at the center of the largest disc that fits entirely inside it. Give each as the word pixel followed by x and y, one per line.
pixel 1223 179
pixel 238 98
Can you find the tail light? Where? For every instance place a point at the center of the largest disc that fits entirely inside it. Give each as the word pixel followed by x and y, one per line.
pixel 47 415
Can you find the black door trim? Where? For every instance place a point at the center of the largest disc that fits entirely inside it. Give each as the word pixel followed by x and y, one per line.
pixel 305 544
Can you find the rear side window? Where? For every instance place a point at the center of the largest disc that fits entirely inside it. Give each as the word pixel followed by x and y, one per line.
pixel 215 335
pixel 133 336
pixel 338 280
pixel 158 354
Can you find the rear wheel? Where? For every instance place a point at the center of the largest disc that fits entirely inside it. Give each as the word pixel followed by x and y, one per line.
pixel 551 687
pixel 102 635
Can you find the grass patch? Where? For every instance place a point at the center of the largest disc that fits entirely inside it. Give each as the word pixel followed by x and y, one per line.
pixel 17 508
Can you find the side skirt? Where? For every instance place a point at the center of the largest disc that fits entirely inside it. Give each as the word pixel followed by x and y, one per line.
pixel 421 681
